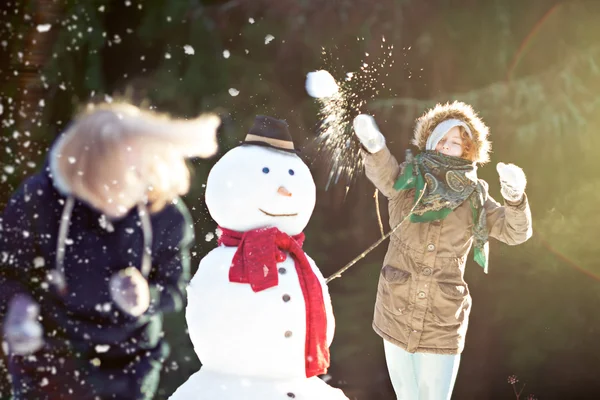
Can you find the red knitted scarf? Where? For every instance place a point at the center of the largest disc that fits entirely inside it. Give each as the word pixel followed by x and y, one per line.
pixel 255 263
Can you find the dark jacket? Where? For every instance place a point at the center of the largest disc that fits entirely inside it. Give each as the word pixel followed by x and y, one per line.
pixel 86 323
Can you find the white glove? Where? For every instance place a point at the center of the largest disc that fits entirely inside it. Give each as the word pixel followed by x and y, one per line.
pixel 367 132
pixel 23 332
pixel 129 289
pixel 512 182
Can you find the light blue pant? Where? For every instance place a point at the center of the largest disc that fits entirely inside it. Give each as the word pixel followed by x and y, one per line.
pixel 421 376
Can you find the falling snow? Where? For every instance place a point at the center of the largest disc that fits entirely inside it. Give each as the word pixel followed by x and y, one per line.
pixel 43 27
pixel 102 348
pixel 38 262
pixel 234 92
pixel 105 224
pixel 188 49
pixel 269 38
pixel 226 53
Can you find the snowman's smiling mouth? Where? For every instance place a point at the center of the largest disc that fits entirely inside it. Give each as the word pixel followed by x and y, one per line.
pixel 277 215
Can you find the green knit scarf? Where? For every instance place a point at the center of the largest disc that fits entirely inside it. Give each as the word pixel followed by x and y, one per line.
pixel 450 182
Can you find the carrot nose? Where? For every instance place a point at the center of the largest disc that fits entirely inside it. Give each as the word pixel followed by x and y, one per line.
pixel 284 192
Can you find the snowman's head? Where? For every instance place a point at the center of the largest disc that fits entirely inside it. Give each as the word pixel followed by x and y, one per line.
pixel 262 183
pixel 253 187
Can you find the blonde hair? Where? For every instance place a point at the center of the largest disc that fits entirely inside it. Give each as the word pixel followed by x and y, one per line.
pixel 117 155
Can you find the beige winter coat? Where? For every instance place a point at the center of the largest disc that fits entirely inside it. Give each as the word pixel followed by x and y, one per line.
pixel 423 302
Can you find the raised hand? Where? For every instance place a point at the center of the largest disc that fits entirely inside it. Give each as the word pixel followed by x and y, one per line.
pixel 512 181
pixel 367 132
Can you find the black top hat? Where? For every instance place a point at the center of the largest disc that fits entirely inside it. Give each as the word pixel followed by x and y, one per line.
pixel 270 132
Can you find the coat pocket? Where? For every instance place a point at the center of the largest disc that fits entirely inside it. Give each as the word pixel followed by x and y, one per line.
pixel 451 304
pixel 393 289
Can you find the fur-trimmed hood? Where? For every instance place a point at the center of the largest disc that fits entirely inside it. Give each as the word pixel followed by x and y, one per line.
pixel 456 110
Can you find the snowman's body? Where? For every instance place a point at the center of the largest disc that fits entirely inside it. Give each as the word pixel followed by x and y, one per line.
pixel 252 344
pixel 238 331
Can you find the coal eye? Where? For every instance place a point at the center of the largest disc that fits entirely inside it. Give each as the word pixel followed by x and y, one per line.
pixel 291 171
pixel 266 170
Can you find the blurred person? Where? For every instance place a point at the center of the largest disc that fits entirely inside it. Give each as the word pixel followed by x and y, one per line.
pixel 94 250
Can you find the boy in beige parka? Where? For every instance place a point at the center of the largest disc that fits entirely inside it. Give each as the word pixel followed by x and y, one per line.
pixel 423 302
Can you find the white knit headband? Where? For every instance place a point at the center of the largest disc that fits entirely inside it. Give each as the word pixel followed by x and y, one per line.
pixel 441 129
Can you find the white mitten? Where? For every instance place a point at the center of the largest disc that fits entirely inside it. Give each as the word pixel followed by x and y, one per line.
pixel 22 330
pixel 129 289
pixel 512 182
pixel 367 132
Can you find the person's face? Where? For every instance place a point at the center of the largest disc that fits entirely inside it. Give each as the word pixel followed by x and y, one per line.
pixel 451 144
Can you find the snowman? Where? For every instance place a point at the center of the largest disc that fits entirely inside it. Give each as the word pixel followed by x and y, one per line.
pixel 259 313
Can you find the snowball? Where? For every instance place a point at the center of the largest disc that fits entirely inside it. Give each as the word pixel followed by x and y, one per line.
pixel 320 84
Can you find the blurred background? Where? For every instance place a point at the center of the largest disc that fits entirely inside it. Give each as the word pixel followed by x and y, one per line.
pixel 531 69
